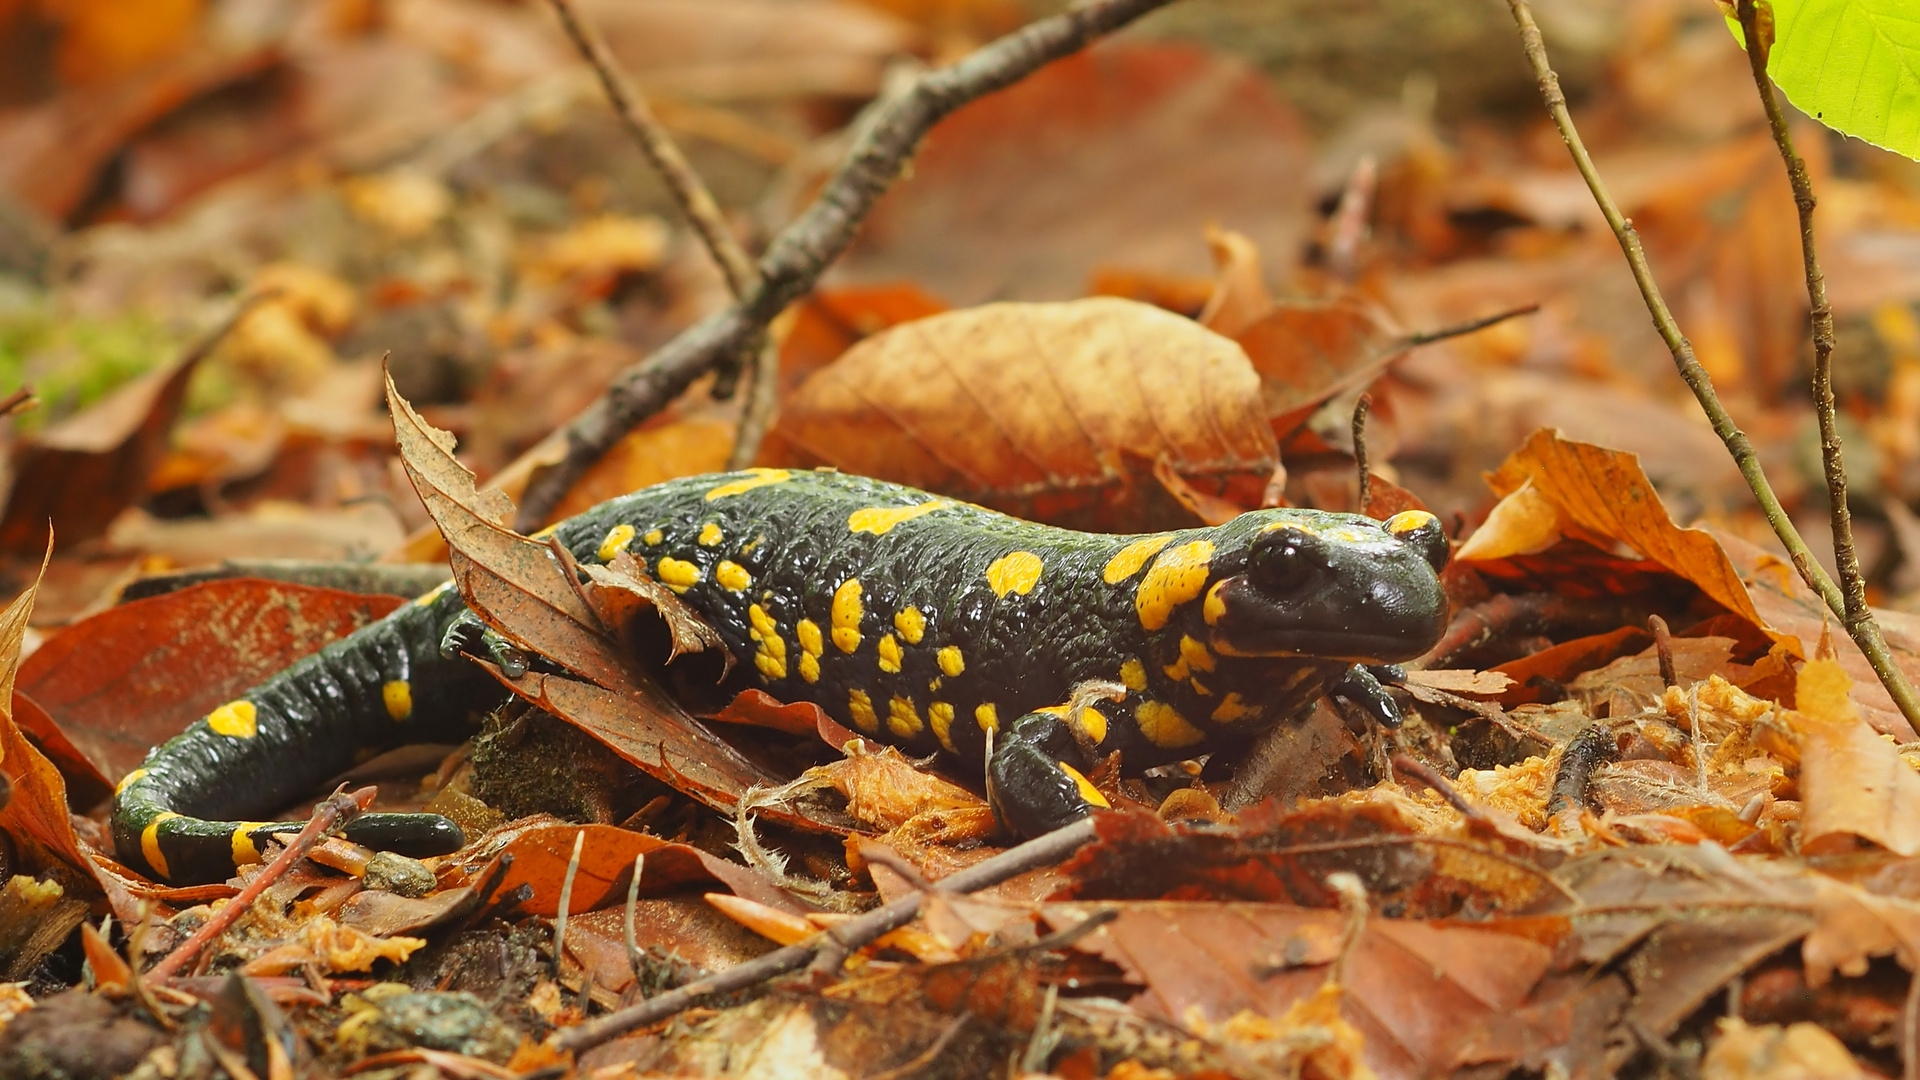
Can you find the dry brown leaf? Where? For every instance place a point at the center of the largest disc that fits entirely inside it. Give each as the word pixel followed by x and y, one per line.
pixel 1009 402
pixel 885 791
pixel 1308 351
pixel 1604 493
pixel 1852 782
pixel 1853 926
pixel 1239 295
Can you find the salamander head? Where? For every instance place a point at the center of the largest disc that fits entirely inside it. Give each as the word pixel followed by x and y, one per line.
pixel 1335 587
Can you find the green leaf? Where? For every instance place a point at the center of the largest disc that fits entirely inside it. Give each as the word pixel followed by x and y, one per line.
pixel 1854 65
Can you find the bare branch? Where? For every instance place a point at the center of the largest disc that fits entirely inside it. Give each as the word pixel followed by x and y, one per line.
pixel 797 257
pixel 1696 377
pixel 1857 616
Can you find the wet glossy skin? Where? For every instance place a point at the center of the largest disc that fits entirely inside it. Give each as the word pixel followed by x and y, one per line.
pixel 914 619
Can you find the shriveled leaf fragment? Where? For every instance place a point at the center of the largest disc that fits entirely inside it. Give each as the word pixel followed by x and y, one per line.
pixel 885 791
pixel 1800 1051
pixel 1603 493
pixel 1008 404
pixel 1853 784
pixel 1853 927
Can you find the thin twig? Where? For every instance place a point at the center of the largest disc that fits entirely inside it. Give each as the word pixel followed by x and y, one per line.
pixel 797 257
pixel 763 400
pixel 1856 615
pixel 852 934
pixel 335 810
pixel 566 904
pixel 1697 379
pixel 1663 649
pixel 1360 408
pixel 688 189
pixel 1428 337
pixel 1348 228
pixel 1443 787
pixel 19 401
pixel 635 958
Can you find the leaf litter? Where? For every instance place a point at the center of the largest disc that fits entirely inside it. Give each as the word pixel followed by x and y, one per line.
pixel 1601 844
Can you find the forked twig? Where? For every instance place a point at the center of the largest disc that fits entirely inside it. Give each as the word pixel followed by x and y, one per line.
pixel 797 257
pixel 1695 375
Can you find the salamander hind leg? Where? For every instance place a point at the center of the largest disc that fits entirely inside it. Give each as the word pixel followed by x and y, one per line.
pixel 1036 777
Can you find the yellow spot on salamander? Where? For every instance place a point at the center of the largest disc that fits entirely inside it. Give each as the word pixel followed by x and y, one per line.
pixel 544 533
pixel 847 611
pixel 1177 576
pixel 710 534
pixel 879 519
pixel 940 719
pixel 129 780
pixel 245 852
pixel 1215 607
pixel 427 598
pixel 889 650
pixel 732 576
pixel 771 655
pixel 150 843
pixel 1231 708
pixel 679 574
pixel 902 718
pixel 1198 687
pixel 238 719
pixel 1085 786
pixel 397 696
pixel 811 644
pixel 911 624
pixel 1133 675
pixel 1128 560
pixel 1015 572
pixel 1409 521
pixel 1091 725
pixel 987 717
pixel 860 707
pixel 951 662
pixel 1163 725
pixel 654 536
pixel 616 542
pixel 1193 657
pixel 756 478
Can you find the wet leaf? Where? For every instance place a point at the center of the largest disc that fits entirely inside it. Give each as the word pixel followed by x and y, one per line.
pixel 133 676
pixel 957 403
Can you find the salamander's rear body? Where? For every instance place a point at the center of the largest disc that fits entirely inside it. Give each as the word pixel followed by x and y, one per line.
pixel 918 620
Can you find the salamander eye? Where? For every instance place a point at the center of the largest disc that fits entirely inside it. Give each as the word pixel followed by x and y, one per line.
pixel 1422 532
pixel 1282 559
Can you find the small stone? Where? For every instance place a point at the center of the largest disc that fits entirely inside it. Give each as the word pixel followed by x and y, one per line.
pixel 398 874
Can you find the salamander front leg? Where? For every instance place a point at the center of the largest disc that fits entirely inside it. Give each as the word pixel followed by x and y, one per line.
pixel 468 636
pixel 1364 686
pixel 1036 780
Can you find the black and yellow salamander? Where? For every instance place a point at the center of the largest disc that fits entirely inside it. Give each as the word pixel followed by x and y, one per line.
pixel 920 621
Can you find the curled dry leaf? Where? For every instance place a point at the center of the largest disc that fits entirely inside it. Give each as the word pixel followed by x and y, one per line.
pixel 1037 407
pixel 541 855
pixel 1561 487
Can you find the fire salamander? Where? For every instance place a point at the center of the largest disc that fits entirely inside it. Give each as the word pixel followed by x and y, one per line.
pixel 920 621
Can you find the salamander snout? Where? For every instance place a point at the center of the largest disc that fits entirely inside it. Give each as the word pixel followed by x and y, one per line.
pixel 1336 587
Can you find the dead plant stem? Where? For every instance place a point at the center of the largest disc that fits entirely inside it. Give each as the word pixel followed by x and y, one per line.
pixel 802 251
pixel 1696 377
pixel 1855 614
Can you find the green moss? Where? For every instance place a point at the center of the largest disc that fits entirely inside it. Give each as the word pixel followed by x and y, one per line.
pixel 72 363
